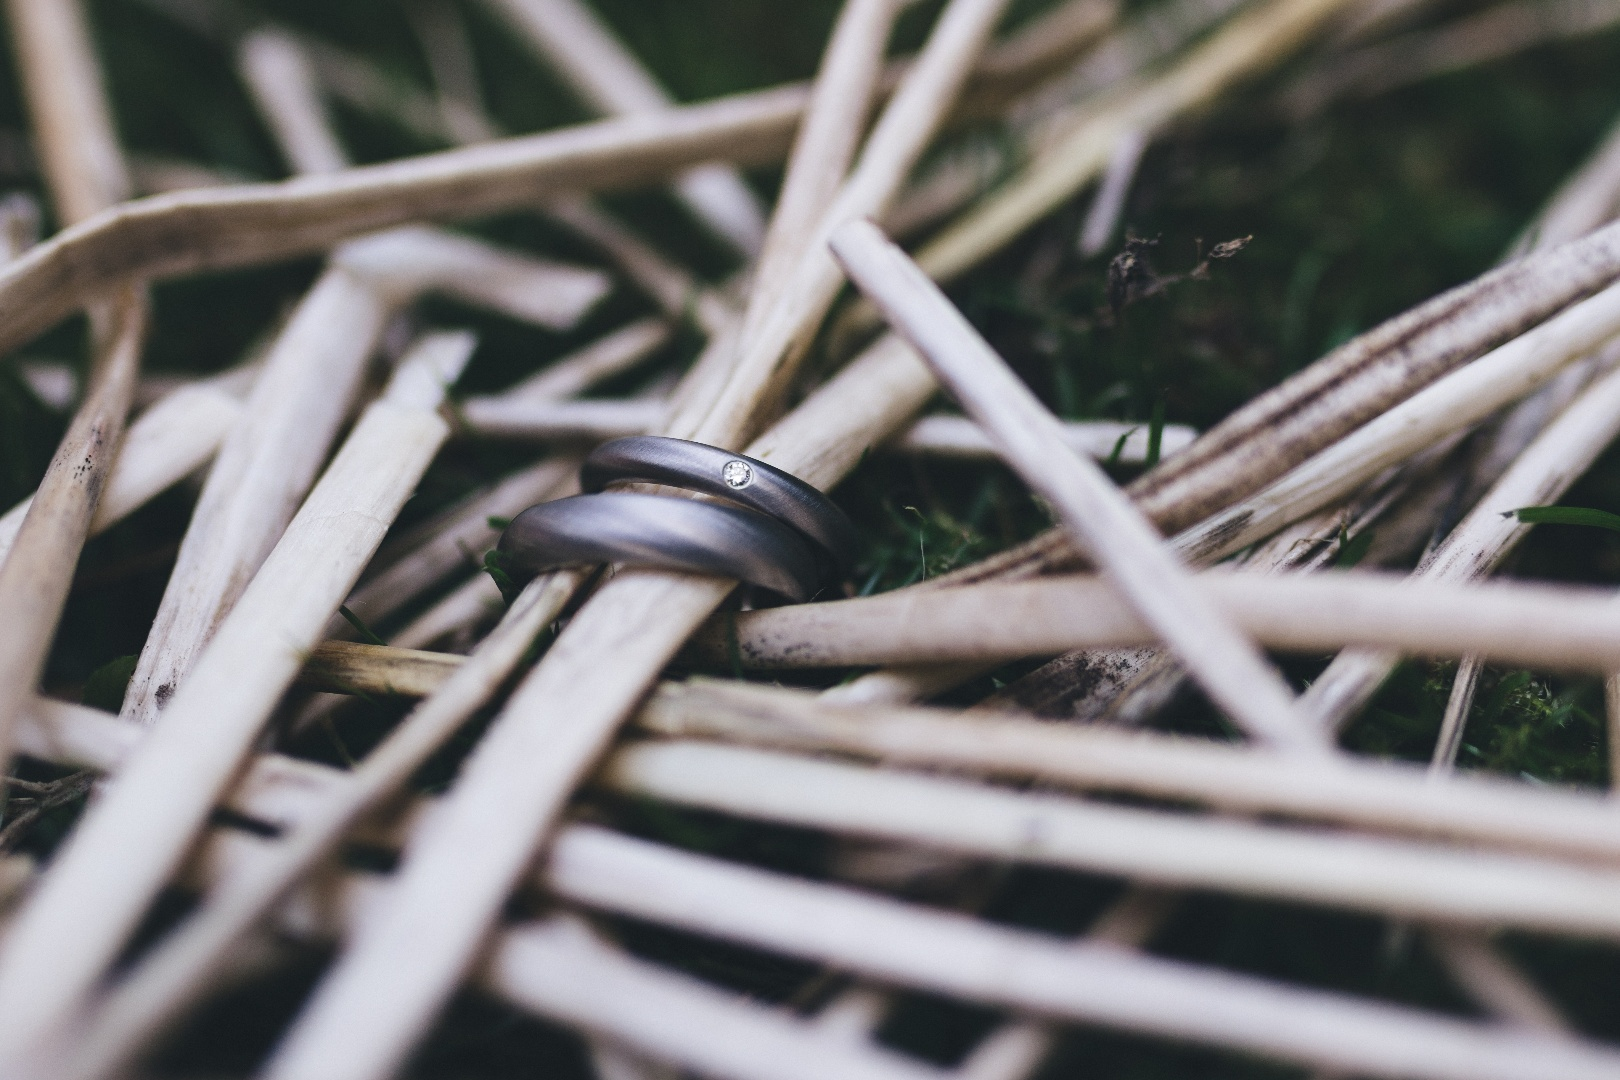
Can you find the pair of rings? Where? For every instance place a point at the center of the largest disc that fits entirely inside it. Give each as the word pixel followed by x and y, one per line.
pixel 775 531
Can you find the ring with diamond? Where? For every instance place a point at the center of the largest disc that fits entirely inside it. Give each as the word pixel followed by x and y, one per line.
pixel 782 535
pixel 669 534
pixel 737 478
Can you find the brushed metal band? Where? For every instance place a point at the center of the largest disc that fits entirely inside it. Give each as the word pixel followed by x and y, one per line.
pixel 735 477
pixel 664 533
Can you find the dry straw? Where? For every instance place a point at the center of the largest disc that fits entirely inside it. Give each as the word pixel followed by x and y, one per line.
pixel 100 884
pixel 613 872
pixel 1574 630
pixel 311 376
pixel 84 170
pixel 1136 560
pixel 565 712
pixel 167 443
pixel 575 43
pixel 193 231
pixel 1539 861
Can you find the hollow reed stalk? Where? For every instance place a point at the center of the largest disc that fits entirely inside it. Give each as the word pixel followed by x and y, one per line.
pixel 576 44
pixel 607 878
pixel 84 170
pixel 1123 542
pixel 107 873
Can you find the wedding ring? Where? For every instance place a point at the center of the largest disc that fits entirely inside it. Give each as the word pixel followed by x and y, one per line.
pixel 738 478
pixel 663 533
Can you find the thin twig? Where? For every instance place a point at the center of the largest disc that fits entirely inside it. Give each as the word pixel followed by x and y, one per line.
pixel 1137 561
pixel 575 43
pixel 113 864
pixel 1310 613
pixel 183 967
pixel 1098 984
pixel 1470 808
pixel 84 167
pixel 1481 540
pixel 1370 874
pixel 562 715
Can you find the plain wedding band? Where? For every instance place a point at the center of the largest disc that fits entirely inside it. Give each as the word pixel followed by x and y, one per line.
pixel 664 533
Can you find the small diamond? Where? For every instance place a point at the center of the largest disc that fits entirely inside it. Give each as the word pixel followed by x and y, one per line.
pixel 737 474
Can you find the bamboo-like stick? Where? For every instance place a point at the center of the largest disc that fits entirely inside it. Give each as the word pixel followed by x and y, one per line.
pixel 407 261
pixel 1374 17
pixel 1474 809
pixel 1493 982
pixel 1481 811
pixel 1134 47
pixel 558 720
pixel 156 993
pixel 1128 686
pixel 448 49
pixel 1097 984
pixel 672 1017
pixel 1046 115
pixel 56 384
pixel 1555 460
pixel 1043 47
pixel 1582 204
pixel 1139 565
pixel 1576 209
pixel 1575 630
pixel 942 187
pixel 957 436
pixel 84 168
pixel 217 228
pixel 1355 383
pixel 19 224
pixel 1377 875
pixel 458 544
pixel 188 232
pixel 510 417
pixel 616 353
pixel 770 354
pixel 605 882
pixel 1458 703
pixel 311 376
pixel 1464 397
pixel 577 45
pixel 103 879
pixel 556 969
pixel 1387 791
pixel 265 466
pixel 558 972
pixel 167 443
pixel 68 109
pixel 841 97
pixel 676 292
pixel 563 715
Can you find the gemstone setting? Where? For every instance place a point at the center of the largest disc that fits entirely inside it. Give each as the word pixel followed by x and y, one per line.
pixel 737 474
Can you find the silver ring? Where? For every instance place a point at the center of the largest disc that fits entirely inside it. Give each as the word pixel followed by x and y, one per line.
pixel 663 533
pixel 735 477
